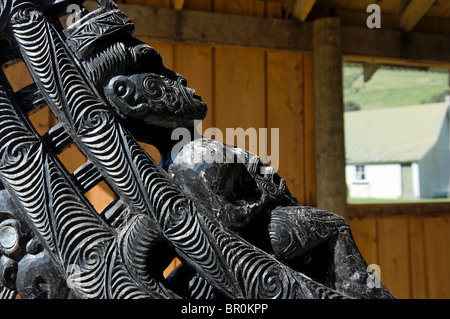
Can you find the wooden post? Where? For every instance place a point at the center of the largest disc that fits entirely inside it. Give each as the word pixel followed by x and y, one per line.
pixel 329 117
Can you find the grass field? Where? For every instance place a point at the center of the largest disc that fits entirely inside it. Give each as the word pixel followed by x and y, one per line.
pixel 391 88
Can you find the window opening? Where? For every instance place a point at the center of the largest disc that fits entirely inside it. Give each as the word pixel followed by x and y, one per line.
pixel 396 133
pixel 360 173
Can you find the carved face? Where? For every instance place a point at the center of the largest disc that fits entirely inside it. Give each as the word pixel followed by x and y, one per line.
pixel 154 99
pixel 146 91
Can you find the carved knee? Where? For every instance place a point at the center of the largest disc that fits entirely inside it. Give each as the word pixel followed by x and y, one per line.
pixel 295 230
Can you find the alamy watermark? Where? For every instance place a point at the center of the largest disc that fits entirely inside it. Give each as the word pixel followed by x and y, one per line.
pixel 374 19
pixel 257 143
pixel 374 278
pixel 75 14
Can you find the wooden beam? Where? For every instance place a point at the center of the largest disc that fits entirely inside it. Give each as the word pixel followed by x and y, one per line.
pixel 406 210
pixel 189 26
pixel 329 116
pixel 302 8
pixel 412 14
pixel 358 43
pixel 394 46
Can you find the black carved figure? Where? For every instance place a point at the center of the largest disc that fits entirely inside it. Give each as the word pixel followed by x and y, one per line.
pixel 234 224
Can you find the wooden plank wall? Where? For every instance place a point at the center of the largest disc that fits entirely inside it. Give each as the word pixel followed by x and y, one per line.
pixel 412 253
pixel 246 88
pixel 253 88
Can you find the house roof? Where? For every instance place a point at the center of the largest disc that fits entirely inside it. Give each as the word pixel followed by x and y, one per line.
pixel 392 135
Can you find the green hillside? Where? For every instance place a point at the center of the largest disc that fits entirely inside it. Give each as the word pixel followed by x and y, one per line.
pixel 388 88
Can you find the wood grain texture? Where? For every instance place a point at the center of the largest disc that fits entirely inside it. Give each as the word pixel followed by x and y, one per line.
pixel 285 112
pixel 329 121
pixel 310 137
pixel 195 64
pixel 239 87
pixel 412 14
pixel 302 8
pixel 418 258
pixel 393 255
pixel 364 232
pixel 437 238
pixel 242 7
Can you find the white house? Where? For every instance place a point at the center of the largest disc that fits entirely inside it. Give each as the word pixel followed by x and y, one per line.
pixel 401 152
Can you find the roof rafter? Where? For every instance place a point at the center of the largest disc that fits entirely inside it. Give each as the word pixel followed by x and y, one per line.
pixel 412 14
pixel 302 8
pixel 177 4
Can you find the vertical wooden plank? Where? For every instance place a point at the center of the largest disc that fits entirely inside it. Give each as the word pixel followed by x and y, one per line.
pixel 364 233
pixel 393 255
pixel 239 89
pixel 418 259
pixel 239 78
pixel 195 64
pixel 310 137
pixel 165 49
pixel 285 111
pixel 275 9
pixel 437 236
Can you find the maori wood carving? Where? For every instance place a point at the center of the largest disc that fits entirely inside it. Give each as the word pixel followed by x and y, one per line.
pixel 238 232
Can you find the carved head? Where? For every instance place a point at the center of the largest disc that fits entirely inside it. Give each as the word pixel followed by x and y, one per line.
pixel 131 75
pixel 231 182
pixel 155 95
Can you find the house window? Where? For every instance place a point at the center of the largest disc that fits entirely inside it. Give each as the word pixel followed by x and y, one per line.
pixel 360 173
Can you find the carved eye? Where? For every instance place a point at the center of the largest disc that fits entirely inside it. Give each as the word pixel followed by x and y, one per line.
pixel 144 50
pixel 182 81
pixel 121 89
pixel 8 237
